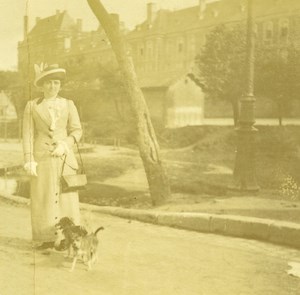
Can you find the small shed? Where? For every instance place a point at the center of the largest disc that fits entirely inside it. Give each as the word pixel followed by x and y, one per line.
pixel 174 102
pixel 185 104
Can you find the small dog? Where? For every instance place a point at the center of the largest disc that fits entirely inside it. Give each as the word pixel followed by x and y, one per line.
pixel 65 229
pixel 85 247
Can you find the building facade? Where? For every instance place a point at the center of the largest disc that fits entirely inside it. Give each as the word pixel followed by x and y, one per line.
pixel 163 49
pixel 165 45
pixel 59 39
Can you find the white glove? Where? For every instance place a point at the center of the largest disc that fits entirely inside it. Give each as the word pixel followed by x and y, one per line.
pixel 30 168
pixel 61 149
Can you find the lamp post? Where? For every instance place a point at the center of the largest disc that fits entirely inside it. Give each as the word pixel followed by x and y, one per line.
pixel 244 170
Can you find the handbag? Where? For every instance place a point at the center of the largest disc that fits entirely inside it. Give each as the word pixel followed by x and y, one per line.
pixel 74 182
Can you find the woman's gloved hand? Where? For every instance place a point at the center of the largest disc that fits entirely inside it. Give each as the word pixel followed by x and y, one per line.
pixel 30 168
pixel 60 149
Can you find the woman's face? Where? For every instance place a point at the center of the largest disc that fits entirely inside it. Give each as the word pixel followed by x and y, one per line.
pixel 51 87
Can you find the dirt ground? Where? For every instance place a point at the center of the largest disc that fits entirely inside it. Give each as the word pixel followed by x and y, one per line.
pixel 142 259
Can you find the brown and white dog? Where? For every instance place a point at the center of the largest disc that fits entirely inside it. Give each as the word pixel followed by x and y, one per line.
pixel 65 230
pixel 86 247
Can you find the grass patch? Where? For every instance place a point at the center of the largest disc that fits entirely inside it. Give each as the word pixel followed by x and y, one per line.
pixel 277 158
pixel 108 195
pixel 188 155
pixel 100 169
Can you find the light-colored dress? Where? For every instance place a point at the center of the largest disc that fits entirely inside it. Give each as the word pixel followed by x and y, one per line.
pixel 45 123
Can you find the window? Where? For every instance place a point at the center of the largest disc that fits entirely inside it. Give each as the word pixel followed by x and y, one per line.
pixel 180 47
pixel 180 43
pixel 192 45
pixel 149 49
pixel 67 43
pixel 283 29
pixel 268 32
pixel 255 29
pixel 140 50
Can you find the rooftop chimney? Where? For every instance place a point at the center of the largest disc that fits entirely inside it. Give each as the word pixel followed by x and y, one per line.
pixel 151 12
pixel 57 12
pixel 202 7
pixel 26 25
pixel 79 25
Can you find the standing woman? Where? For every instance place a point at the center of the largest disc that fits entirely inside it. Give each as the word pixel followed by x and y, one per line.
pixel 51 126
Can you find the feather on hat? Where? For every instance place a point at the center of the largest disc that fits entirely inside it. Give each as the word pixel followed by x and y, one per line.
pixel 43 72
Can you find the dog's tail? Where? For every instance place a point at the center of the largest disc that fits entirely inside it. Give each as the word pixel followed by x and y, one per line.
pixel 98 229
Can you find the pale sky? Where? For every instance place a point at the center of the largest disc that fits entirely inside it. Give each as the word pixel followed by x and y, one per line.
pixel 12 12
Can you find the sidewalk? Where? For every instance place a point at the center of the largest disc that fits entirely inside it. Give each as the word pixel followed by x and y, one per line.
pixel 268 230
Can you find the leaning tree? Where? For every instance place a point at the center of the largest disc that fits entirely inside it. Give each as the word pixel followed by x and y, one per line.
pixel 148 146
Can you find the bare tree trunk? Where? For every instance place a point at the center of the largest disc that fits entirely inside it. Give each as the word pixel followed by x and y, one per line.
pixel 147 142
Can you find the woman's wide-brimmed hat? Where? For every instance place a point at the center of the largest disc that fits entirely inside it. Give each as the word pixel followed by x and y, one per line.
pixel 45 72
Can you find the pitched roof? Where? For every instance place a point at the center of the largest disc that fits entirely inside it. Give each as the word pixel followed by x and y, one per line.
pixel 217 12
pixel 61 21
pixel 167 21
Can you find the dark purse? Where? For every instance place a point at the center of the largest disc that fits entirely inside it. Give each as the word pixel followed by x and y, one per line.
pixel 75 182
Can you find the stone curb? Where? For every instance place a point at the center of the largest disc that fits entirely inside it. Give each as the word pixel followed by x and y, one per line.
pixel 277 232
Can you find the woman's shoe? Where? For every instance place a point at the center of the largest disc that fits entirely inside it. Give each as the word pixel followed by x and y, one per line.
pixel 45 245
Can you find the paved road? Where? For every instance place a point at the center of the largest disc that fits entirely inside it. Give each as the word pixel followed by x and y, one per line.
pixel 137 258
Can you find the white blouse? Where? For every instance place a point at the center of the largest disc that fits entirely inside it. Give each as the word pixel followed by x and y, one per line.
pixel 55 107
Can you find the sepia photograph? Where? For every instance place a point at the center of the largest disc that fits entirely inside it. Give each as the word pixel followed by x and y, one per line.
pixel 150 147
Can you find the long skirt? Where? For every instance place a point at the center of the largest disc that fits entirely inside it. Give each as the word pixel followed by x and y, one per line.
pixel 48 204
